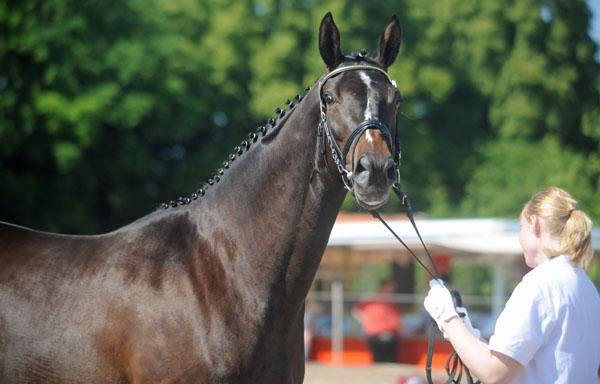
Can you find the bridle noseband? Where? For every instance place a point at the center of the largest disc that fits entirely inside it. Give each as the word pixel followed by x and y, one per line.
pixel 338 155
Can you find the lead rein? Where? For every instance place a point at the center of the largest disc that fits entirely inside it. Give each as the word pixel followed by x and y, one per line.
pixel 409 212
pixel 457 364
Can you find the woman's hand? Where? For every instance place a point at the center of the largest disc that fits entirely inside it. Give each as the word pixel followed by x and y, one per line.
pixel 439 302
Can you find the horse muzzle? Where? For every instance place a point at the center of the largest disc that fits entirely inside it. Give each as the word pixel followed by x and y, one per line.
pixel 372 179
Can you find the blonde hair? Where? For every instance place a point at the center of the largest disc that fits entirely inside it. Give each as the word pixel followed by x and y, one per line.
pixel 566 222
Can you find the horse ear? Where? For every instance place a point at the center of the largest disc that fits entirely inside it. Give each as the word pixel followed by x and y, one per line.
pixel 329 42
pixel 389 45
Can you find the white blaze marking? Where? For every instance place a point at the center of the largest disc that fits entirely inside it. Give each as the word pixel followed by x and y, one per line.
pixel 371 107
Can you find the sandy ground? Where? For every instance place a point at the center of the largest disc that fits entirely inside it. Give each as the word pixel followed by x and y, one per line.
pixel 373 374
pixel 380 373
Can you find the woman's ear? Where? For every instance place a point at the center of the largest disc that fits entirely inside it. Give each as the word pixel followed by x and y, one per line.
pixel 537 225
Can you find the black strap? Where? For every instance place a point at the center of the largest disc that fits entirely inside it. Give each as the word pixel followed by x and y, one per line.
pixel 377 216
pixel 361 129
pixel 324 151
pixel 432 331
pixel 409 212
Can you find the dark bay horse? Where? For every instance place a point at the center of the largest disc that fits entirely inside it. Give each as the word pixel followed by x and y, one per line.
pixel 211 288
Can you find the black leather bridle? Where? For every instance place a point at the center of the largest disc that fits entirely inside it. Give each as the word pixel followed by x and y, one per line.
pixel 338 155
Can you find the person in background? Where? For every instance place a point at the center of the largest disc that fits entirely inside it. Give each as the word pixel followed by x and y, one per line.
pixel 382 323
pixel 549 330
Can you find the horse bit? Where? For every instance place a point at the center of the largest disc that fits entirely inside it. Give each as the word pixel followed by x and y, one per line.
pixel 338 155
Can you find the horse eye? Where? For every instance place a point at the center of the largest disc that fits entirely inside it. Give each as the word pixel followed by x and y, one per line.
pixel 398 99
pixel 328 99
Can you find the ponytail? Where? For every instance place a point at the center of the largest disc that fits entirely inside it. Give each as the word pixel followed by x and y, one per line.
pixel 576 238
pixel 566 222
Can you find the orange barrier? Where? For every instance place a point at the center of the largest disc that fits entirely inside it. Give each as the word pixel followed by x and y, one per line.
pixel 414 351
pixel 356 352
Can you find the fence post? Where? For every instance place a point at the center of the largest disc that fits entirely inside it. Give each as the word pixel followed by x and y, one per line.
pixel 337 321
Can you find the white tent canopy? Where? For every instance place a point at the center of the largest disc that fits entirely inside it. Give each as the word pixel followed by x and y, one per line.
pixel 487 236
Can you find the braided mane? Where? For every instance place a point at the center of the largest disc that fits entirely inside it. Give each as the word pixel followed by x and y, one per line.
pixel 244 146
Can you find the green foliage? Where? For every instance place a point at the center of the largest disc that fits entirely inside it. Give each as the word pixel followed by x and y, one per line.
pixel 102 103
pixel 496 89
pixel 473 280
pixel 108 108
pixel 521 167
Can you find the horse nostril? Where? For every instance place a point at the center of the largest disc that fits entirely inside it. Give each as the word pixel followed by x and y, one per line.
pixel 361 170
pixel 362 165
pixel 389 170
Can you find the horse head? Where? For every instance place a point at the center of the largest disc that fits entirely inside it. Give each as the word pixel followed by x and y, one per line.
pixel 359 105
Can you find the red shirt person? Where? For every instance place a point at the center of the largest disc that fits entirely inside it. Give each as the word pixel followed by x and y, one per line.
pixel 382 322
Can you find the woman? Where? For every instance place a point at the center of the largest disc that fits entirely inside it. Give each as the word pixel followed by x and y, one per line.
pixel 549 331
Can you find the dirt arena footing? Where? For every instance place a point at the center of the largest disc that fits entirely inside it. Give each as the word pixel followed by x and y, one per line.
pixel 377 373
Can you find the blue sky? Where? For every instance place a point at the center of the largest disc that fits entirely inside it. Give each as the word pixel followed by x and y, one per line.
pixel 595 24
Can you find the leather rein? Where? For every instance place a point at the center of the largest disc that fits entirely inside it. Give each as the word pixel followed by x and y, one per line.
pixel 455 368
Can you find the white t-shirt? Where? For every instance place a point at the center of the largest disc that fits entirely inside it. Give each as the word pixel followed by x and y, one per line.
pixel 551 325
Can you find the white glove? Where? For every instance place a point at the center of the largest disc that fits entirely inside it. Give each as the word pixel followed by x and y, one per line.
pixel 474 331
pixel 439 302
pixel 440 305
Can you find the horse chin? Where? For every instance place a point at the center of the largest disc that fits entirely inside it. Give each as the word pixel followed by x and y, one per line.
pixel 371 204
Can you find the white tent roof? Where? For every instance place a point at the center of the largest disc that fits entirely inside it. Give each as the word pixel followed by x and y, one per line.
pixel 482 236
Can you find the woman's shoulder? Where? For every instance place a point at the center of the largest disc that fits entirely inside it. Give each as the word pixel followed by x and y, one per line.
pixel 551 271
pixel 539 284
pixel 558 283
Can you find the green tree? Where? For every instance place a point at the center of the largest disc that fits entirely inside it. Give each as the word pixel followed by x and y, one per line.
pixel 544 113
pixel 491 88
pixel 108 108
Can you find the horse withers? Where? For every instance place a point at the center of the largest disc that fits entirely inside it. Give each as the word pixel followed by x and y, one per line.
pixel 209 288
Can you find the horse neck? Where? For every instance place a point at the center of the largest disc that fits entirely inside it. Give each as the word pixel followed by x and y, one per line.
pixel 279 204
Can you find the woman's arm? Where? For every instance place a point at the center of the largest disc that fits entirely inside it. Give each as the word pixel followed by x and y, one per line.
pixel 487 365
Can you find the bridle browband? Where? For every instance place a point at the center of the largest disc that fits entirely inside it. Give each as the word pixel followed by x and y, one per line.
pixel 338 155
